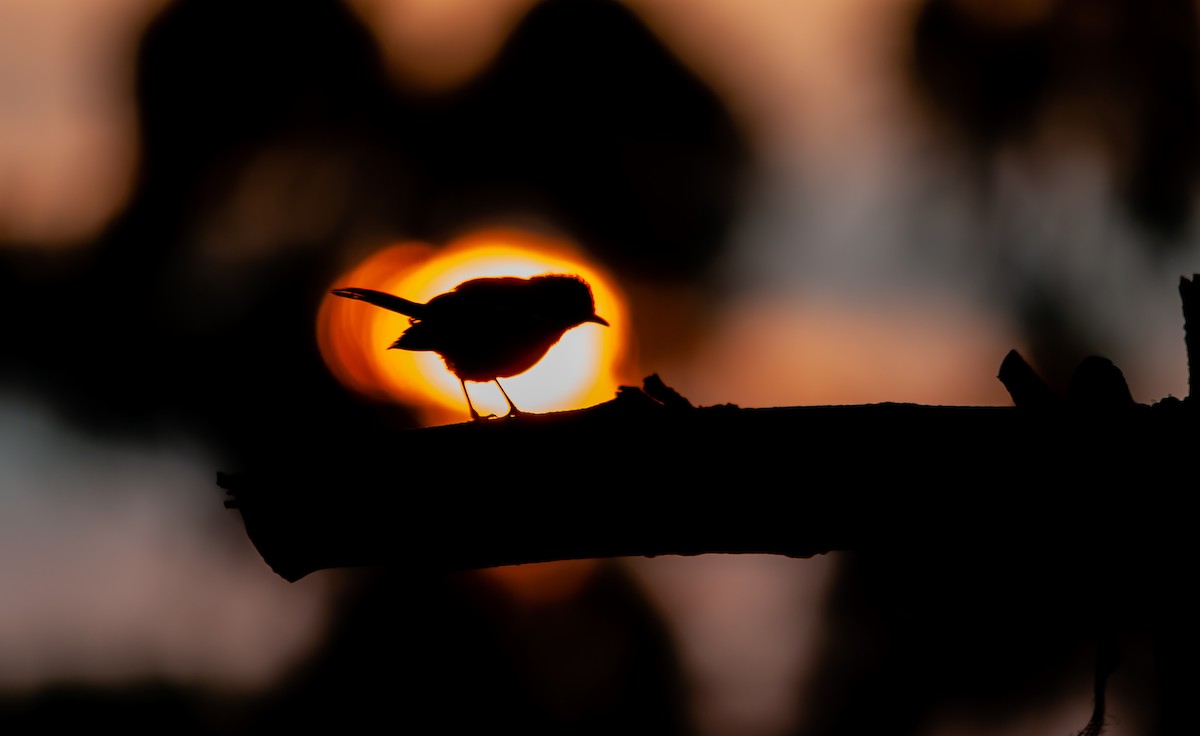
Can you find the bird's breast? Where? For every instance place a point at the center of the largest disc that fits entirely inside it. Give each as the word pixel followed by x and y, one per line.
pixel 496 355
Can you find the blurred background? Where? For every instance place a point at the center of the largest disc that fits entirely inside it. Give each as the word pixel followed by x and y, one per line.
pixel 781 203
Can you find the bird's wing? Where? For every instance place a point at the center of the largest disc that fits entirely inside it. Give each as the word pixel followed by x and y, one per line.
pixel 419 336
pixel 385 300
pixel 494 301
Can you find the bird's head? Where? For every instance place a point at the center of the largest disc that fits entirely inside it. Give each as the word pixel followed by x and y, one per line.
pixel 569 297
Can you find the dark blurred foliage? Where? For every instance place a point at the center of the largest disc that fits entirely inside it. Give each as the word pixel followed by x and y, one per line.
pixel 147 324
pixel 586 119
pixel 1122 75
pixel 142 709
pixel 457 655
pixel 1132 68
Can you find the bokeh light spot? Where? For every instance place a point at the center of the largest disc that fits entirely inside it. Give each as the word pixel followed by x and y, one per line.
pixel 584 368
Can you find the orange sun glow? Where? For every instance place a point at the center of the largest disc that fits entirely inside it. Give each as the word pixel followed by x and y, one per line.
pixel 581 370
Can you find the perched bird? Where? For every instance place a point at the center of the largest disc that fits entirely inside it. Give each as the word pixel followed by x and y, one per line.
pixel 490 328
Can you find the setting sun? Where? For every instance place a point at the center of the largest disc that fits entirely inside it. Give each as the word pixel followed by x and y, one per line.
pixel 580 370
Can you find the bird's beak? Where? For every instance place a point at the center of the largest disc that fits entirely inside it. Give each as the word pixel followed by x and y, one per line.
pixel 597 319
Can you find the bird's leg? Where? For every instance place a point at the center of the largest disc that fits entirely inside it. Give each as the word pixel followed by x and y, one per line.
pixel 512 408
pixel 474 414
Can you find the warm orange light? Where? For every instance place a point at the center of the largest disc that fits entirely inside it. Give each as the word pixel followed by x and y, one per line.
pixel 581 370
pixel 543 582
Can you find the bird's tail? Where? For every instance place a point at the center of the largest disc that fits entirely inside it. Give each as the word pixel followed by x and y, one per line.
pixel 382 299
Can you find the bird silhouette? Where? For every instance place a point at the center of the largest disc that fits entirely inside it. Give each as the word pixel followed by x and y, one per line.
pixel 490 328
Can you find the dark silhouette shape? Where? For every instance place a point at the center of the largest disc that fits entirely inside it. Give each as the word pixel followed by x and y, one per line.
pixel 490 328
pixel 1024 385
pixel 1189 293
pixel 1099 384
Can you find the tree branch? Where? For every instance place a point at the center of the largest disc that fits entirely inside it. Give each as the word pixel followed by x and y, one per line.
pixel 639 477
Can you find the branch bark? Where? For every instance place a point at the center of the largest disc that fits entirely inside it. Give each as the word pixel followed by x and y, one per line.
pixel 1189 293
pixel 640 476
